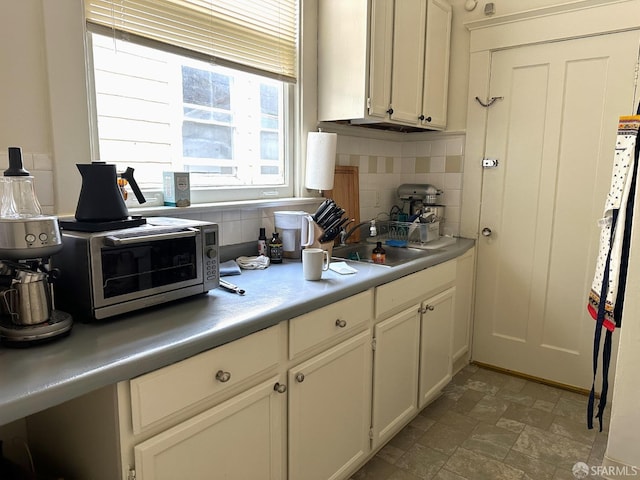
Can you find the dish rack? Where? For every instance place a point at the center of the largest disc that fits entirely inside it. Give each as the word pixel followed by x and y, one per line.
pixel 412 234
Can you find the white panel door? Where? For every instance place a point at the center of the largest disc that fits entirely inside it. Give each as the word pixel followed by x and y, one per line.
pixel 381 56
pixel 408 60
pixel 330 411
pixel 436 64
pixel 395 373
pixel 435 345
pixel 553 133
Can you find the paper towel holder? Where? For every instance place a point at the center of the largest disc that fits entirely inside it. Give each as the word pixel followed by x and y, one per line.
pixel 321 160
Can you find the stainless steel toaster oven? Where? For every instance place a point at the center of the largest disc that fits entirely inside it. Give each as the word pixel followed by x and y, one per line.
pixel 104 274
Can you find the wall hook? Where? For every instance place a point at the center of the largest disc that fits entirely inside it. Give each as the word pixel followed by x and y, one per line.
pixel 490 102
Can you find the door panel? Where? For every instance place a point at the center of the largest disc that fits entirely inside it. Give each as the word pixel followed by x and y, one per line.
pixel 395 373
pixel 408 60
pixel 329 414
pixel 553 133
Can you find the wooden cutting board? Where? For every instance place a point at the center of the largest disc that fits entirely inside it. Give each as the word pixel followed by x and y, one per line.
pixel 346 193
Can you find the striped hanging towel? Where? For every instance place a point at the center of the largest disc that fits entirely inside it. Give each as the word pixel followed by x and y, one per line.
pixel 607 291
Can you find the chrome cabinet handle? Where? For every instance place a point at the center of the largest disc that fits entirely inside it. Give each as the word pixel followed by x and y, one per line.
pixel 222 376
pixel 280 387
pixel 390 111
pixel 341 323
pixel 299 377
pixel 427 308
pixel 486 231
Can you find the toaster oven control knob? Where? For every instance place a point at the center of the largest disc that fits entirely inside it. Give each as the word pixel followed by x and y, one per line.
pixel 212 253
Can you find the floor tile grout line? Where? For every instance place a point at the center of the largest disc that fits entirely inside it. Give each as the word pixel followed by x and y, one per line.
pixel 498 382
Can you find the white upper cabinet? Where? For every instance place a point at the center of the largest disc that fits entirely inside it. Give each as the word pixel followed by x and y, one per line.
pixel 436 65
pixel 384 62
pixel 407 71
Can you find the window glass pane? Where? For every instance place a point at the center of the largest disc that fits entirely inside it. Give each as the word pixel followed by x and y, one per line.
pixel 158 111
pixel 205 88
pixel 206 141
pixel 269 147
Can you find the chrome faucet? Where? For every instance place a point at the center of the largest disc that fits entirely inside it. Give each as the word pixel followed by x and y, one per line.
pixel 345 234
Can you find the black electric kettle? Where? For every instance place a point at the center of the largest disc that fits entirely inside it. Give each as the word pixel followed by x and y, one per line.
pixel 100 196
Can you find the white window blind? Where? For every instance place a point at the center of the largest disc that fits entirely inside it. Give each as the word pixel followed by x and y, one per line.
pixel 256 36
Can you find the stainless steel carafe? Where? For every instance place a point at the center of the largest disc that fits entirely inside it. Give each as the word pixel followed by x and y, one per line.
pixel 28 301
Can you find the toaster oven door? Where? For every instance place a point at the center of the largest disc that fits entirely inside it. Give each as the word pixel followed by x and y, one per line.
pixel 133 267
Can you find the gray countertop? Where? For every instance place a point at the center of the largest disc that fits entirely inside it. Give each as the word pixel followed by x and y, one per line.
pixel 102 353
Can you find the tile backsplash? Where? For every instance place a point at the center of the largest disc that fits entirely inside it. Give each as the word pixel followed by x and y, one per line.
pixel 383 165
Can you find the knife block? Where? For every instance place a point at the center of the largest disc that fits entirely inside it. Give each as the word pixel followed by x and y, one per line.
pixel 317 233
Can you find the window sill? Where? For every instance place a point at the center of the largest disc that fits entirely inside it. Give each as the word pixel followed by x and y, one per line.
pixel 224 206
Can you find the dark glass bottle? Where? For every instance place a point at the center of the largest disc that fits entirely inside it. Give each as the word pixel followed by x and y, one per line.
pixel 275 248
pixel 378 254
pixel 262 243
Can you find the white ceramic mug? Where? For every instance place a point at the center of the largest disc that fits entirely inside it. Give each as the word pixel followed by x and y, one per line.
pixel 314 262
pixel 307 233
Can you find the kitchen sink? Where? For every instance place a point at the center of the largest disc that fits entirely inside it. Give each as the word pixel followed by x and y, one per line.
pixel 361 252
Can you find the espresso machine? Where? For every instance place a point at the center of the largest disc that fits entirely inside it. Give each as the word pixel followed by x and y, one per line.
pixel 28 239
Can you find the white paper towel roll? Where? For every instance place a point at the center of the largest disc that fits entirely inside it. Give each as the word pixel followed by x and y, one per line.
pixel 321 160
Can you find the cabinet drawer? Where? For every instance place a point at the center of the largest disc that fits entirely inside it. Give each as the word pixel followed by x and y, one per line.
pixel 241 438
pixel 168 390
pixel 393 296
pixel 328 322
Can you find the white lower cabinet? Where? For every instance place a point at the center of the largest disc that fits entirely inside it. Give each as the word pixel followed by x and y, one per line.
pixel 311 398
pixel 435 344
pixel 395 373
pixel 465 273
pixel 218 414
pixel 329 411
pixel 239 439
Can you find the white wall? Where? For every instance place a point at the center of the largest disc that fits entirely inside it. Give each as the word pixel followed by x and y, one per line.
pixel 623 448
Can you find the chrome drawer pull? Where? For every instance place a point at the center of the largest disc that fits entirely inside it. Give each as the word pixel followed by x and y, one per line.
pixel 280 387
pixel 341 323
pixel 223 376
pixel 299 377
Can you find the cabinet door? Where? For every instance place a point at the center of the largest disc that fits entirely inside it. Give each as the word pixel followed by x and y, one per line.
pixel 464 297
pixel 329 411
pixel 408 60
pixel 436 65
pixel 239 439
pixel 395 373
pixel 380 58
pixel 435 344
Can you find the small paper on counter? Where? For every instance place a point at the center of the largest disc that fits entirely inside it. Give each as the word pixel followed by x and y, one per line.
pixel 342 268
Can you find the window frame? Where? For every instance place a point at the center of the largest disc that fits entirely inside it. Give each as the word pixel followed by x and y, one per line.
pixel 211 194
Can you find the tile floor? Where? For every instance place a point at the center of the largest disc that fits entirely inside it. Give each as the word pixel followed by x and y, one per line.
pixel 491 426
